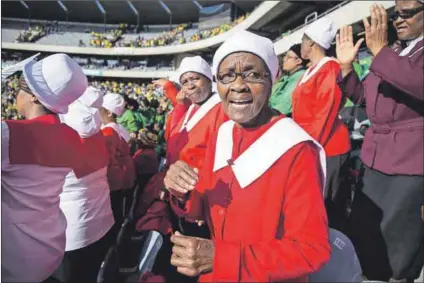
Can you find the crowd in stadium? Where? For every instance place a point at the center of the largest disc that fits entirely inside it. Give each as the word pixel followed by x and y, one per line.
pixel 34 34
pixel 114 37
pixel 245 169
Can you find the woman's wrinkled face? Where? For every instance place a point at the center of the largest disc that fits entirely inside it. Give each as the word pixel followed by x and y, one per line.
pixel 408 28
pixel 244 98
pixel 195 86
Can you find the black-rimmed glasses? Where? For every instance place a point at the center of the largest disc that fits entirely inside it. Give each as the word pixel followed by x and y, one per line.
pixel 247 76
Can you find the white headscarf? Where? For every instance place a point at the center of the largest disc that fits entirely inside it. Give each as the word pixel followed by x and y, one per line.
pixel 322 31
pixel 83 115
pixel 245 41
pixel 56 81
pixel 195 64
pixel 115 103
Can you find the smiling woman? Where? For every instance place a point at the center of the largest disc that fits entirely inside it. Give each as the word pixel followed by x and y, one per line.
pixel 260 187
pixel 244 84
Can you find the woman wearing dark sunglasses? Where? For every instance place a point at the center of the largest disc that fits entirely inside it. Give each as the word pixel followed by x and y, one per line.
pixel 385 225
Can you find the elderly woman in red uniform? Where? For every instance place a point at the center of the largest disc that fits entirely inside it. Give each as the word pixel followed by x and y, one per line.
pixel 186 149
pixel 317 100
pixel 121 169
pixel 260 189
pixel 386 225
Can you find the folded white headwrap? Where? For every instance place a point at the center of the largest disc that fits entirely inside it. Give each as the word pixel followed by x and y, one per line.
pixel 115 103
pixel 83 115
pixel 245 41
pixel 92 97
pixel 195 64
pixel 322 31
pixel 56 81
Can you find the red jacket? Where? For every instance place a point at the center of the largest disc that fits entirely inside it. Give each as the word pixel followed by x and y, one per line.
pixel 316 105
pixel 274 229
pixel 190 146
pixel 115 169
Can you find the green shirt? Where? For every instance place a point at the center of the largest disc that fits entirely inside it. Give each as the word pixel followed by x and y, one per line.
pixel 128 121
pixel 281 97
pixel 148 115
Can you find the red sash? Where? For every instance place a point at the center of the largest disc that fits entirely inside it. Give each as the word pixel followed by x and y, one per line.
pixel 95 155
pixel 44 141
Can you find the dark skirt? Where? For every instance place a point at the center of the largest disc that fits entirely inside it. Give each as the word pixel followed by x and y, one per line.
pixel 385 225
pixel 337 191
pixel 83 265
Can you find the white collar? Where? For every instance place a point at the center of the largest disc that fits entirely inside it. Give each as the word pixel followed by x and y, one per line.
pixel 263 153
pixel 118 129
pixel 313 70
pixel 414 41
pixel 410 45
pixel 201 112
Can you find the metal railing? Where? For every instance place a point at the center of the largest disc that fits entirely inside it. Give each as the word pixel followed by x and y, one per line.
pixel 316 17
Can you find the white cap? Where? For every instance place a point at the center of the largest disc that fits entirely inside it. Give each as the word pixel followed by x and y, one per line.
pixel 83 115
pixel 244 41
pixel 115 103
pixel 56 81
pixel 322 31
pixel 195 64
pixel 92 97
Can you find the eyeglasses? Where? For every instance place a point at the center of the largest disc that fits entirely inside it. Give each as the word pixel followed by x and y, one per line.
pixel 405 14
pixel 248 76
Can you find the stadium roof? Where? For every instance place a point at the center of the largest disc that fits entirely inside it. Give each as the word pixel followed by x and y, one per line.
pixel 151 11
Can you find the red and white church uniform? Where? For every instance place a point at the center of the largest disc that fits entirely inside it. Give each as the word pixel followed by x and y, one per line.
pixel 317 101
pixel 37 154
pixel 260 192
pixel 187 142
pixel 121 169
pixel 85 200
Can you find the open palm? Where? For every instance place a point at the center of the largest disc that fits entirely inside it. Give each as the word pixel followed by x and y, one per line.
pixel 345 49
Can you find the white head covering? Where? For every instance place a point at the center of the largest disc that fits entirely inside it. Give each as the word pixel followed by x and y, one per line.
pixel 83 115
pixel 56 81
pixel 115 103
pixel 195 64
pixel 244 41
pixel 92 97
pixel 322 31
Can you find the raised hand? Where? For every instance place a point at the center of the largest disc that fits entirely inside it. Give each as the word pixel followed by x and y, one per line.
pixel 160 82
pixel 345 48
pixel 376 32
